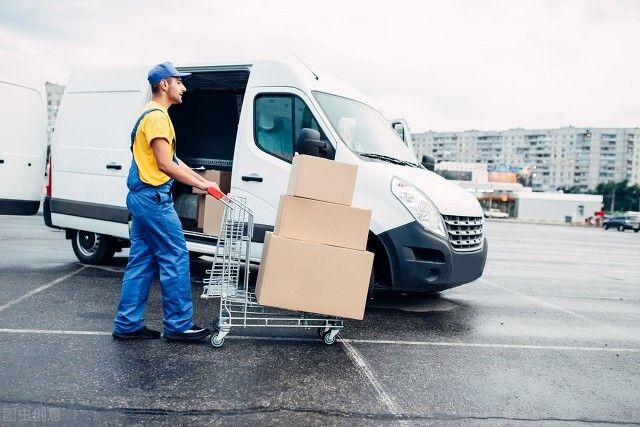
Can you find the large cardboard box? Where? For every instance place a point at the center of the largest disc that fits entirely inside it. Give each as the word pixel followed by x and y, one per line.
pixel 222 178
pixel 313 277
pixel 210 214
pixel 322 222
pixel 322 179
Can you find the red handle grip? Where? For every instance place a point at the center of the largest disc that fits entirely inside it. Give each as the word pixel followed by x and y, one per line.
pixel 215 193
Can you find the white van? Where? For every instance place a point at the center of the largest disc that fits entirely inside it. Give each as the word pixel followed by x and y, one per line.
pixel 427 234
pixel 23 144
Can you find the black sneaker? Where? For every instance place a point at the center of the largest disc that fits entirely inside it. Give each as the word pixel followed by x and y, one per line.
pixel 141 334
pixel 194 333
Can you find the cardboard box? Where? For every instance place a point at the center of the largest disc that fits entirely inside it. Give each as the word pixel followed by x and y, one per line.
pixel 222 178
pixel 322 222
pixel 210 214
pixel 322 179
pixel 313 277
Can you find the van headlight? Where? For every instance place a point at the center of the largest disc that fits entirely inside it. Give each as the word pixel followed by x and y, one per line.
pixel 418 205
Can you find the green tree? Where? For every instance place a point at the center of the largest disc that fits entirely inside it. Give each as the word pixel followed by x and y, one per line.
pixel 619 196
pixel 571 190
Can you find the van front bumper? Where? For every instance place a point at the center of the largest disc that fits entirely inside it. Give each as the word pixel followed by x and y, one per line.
pixel 422 261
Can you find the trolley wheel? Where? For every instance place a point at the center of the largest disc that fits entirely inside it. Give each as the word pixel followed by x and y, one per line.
pixel 216 342
pixel 216 325
pixel 326 337
pixel 321 332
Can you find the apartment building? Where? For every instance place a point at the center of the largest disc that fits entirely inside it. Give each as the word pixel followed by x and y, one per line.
pixel 565 157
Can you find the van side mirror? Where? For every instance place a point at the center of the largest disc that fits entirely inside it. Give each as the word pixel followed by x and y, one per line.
pixel 429 162
pixel 399 129
pixel 308 142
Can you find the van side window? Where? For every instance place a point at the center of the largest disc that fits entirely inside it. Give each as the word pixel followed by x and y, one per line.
pixel 277 121
pixel 273 128
pixel 304 119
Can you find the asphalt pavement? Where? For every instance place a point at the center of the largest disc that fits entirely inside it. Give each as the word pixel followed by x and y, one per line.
pixel 549 335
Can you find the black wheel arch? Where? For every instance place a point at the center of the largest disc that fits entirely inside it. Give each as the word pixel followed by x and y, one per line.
pixel 381 264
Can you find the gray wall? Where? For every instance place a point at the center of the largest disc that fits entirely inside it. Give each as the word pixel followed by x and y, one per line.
pixel 555 210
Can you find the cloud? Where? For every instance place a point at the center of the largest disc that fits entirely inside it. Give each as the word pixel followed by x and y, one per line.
pixel 443 65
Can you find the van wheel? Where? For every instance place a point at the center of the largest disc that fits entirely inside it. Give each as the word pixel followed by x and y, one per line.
pixel 92 248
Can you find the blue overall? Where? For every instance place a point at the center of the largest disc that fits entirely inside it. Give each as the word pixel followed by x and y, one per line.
pixel 157 245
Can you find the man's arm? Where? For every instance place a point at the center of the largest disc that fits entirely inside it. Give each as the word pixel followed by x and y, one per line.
pixel 189 170
pixel 180 172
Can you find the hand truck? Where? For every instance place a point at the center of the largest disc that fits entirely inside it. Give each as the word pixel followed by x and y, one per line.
pixel 238 306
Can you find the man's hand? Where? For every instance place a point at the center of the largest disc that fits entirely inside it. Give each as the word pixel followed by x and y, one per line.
pixel 208 184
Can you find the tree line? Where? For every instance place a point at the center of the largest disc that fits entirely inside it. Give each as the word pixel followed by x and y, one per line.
pixel 616 196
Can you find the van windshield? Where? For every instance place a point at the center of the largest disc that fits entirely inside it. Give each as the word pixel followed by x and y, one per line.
pixel 363 129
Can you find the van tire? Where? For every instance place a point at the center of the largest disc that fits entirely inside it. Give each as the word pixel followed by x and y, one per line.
pixel 92 248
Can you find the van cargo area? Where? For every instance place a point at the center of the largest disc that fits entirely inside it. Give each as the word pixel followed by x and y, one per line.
pixel 206 125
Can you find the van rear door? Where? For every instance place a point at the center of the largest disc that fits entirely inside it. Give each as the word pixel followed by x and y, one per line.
pixel 23 143
pixel 91 149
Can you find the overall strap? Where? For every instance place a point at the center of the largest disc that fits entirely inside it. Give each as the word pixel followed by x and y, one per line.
pixel 135 128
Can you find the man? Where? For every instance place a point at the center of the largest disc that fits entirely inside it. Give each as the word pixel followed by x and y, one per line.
pixel 157 240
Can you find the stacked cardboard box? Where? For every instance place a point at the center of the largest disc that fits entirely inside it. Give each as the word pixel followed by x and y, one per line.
pixel 211 210
pixel 315 260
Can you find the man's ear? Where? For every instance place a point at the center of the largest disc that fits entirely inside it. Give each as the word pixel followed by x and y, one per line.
pixel 164 84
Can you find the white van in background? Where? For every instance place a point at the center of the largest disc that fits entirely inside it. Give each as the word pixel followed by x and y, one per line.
pixel 23 143
pixel 427 233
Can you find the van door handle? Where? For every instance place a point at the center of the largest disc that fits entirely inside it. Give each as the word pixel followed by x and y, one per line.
pixel 252 177
pixel 114 166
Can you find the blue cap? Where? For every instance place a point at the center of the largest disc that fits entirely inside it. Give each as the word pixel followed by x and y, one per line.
pixel 164 71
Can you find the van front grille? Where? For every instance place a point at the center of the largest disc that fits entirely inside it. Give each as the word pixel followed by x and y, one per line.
pixel 466 233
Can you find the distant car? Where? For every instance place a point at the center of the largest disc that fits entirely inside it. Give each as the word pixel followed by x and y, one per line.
pixel 495 213
pixel 622 223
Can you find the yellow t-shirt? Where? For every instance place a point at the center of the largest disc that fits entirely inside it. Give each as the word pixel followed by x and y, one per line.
pixel 155 124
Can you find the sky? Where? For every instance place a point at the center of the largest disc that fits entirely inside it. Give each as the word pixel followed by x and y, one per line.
pixel 447 65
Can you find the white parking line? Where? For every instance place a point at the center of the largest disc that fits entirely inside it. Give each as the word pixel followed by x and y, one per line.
pixel 491 345
pixel 357 341
pixel 368 373
pixel 41 288
pixel 102 267
pixel 53 332
pixel 573 313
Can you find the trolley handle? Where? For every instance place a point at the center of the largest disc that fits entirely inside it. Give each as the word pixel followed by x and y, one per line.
pixel 215 193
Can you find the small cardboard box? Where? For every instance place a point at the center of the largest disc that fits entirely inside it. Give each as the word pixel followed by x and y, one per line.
pixel 222 178
pixel 322 222
pixel 210 214
pixel 312 277
pixel 322 179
